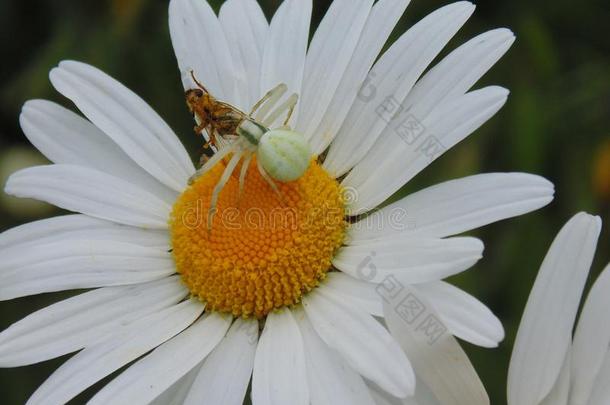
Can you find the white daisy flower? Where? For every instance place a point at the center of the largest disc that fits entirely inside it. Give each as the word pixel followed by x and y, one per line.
pixel 313 282
pixel 548 365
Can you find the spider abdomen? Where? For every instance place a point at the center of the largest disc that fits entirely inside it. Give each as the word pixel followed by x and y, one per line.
pixel 285 155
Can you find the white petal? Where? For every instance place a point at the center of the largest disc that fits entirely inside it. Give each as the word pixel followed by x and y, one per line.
pixel 85 263
pixel 286 47
pixel 422 396
pixel 438 358
pixel 383 398
pixel 459 71
pixel 364 344
pixel 358 292
pixel 245 28
pixel 393 76
pixel 446 82
pixel 177 392
pixel 79 227
pixel 83 320
pixel 412 260
pixel 152 375
pixel 545 332
pixel 91 192
pixel 127 344
pixel 456 206
pixel 66 138
pixel 591 340
pixel 465 316
pixel 399 160
pixel 379 25
pixel 226 372
pixel 601 391
pixel 401 147
pixel 331 381
pixel 280 376
pixel 452 77
pixel 560 393
pixel 328 56
pixel 127 120
pixel 201 46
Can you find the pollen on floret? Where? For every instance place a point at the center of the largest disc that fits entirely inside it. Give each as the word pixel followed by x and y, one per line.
pixel 264 250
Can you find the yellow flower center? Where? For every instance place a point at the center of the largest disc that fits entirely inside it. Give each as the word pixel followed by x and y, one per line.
pixel 264 250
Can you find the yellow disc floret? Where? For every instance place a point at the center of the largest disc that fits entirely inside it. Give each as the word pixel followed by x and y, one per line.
pixel 264 250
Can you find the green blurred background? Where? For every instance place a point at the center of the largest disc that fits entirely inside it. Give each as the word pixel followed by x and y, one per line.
pixel 556 124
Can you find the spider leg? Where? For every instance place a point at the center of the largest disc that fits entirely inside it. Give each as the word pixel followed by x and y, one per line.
pixel 291 110
pixel 220 185
pixel 242 176
pixel 288 106
pixel 269 180
pixel 270 99
pixel 217 157
pixel 277 92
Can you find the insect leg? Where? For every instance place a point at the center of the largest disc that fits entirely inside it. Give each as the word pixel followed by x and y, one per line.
pixel 199 128
pixel 212 135
pixel 288 106
pixel 265 104
pixel 220 185
pixel 204 130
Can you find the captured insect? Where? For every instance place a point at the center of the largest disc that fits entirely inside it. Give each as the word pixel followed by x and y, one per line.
pixel 281 154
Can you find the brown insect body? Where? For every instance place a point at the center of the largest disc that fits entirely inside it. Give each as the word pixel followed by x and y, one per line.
pixel 216 117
